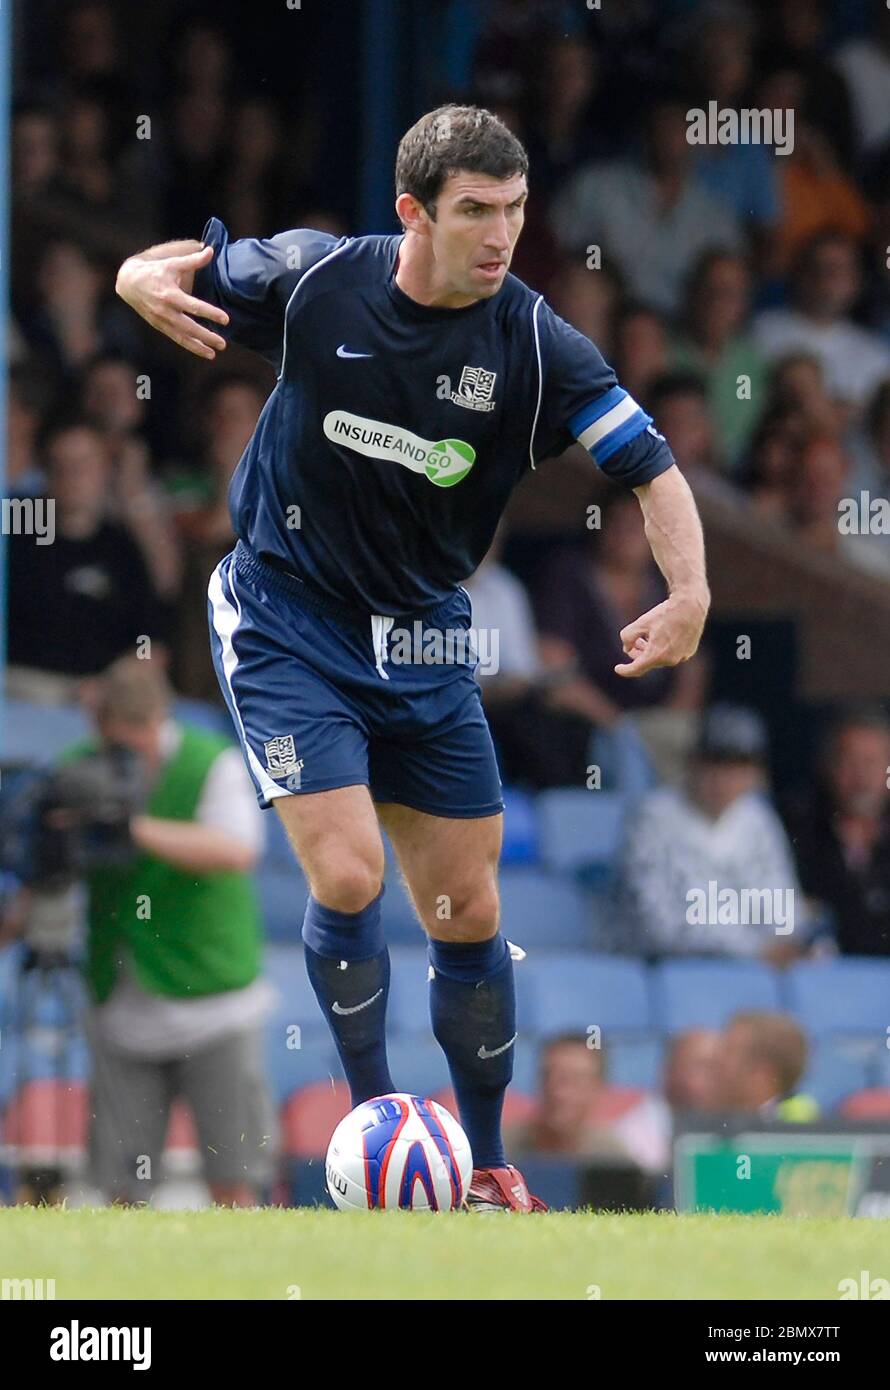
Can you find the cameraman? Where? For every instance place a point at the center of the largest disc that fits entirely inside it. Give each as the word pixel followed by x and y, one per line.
pixel 173 956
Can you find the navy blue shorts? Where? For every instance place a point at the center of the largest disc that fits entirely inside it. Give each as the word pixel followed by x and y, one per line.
pixel 323 697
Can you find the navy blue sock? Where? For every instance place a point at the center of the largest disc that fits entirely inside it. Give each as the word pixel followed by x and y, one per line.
pixel 348 966
pixel 473 1011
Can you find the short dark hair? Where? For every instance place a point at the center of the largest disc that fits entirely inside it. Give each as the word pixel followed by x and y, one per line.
pixel 451 138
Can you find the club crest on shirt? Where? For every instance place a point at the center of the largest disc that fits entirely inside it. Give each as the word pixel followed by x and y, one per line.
pixel 475 389
pixel 281 757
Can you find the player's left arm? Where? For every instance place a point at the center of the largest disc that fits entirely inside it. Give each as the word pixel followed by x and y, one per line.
pixel 582 400
pixel 671 631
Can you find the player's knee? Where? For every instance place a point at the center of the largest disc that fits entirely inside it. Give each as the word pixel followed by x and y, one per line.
pixel 348 885
pixel 474 917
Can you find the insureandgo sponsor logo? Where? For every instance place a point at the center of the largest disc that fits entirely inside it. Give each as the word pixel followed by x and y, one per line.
pixel 444 461
pixel 76 1343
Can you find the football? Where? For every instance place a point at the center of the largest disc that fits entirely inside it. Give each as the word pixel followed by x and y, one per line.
pixel 399 1151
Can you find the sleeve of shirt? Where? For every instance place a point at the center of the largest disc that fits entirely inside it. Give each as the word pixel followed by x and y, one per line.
pixel 581 400
pixel 228 801
pixel 254 278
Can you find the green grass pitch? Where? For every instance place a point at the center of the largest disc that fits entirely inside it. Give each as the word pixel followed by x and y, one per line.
pixel 316 1254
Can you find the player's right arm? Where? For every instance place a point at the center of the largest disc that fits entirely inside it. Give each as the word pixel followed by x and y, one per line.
pixel 244 286
pixel 158 284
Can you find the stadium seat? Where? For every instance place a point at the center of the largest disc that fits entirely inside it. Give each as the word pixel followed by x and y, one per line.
pixel 310 1116
pixel 417 1064
pixel 539 909
pixel 870 1104
pixel 408 1011
pixel 635 1062
pixel 201 714
pixel 289 1069
pixel 518 1106
pixel 832 1074
pixel 45 1117
pixel 520 844
pixel 850 994
pixel 581 830
pixel 704 993
pixel 283 895
pixel 399 918
pixel 37 734
pixel 277 852
pixel 571 990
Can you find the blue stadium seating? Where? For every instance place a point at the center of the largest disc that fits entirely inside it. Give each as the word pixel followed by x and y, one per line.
pixel 288 1069
pixel 704 993
pixel 409 991
pixel 832 1074
pixel 635 1062
pixel 574 990
pixel 520 828
pixel 417 1064
pixel 538 909
pixel 38 734
pixel 581 830
pixel 848 994
pixel 879 1068
pixel 283 894
pixel 296 1002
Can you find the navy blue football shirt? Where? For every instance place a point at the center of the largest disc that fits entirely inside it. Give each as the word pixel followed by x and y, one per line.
pixel 387 452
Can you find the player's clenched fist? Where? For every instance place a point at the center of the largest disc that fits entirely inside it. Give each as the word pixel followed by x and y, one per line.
pixel 665 636
pixel 158 283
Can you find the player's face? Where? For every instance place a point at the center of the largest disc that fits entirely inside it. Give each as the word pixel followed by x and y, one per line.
pixel 478 221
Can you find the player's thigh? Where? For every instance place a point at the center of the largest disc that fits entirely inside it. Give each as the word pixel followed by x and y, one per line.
pixel 450 867
pixel 336 837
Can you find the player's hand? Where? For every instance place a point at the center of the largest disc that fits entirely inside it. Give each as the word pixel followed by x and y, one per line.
pixel 155 289
pixel 665 636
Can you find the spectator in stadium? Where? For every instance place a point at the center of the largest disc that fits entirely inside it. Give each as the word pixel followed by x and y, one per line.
pixel 864 63
pixel 562 129
pixel 797 385
pixel 870 448
pixel 587 299
pixel 173 957
pixel 764 1056
pixel 579 1114
pixel 796 36
pixel 536 712
pixel 707 870
pixel 652 218
pixel 840 833
pixel 113 399
pixel 817 488
pixel 27 401
pixel 74 321
pixel 692 1075
pixel 826 287
pixel 817 195
pixel 228 414
pixel 771 460
pixel 641 348
pixel 585 595
pixel 679 403
pixel 77 603
pixel 715 344
pixel 741 176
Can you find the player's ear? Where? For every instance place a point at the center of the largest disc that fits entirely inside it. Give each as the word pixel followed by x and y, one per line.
pixel 412 214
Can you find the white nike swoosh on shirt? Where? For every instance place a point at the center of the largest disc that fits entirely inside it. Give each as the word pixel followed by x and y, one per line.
pixel 484 1052
pixel 342 352
pixel 356 1008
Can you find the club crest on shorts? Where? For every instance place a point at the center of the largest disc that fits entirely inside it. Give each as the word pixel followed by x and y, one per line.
pixel 281 757
pixel 475 389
